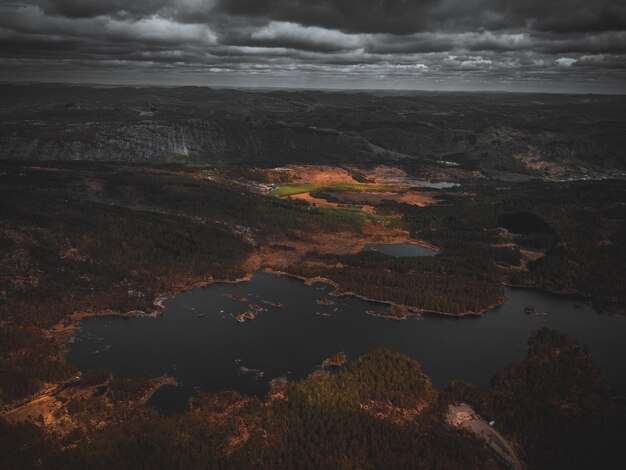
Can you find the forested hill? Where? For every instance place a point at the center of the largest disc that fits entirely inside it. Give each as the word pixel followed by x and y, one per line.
pixel 531 134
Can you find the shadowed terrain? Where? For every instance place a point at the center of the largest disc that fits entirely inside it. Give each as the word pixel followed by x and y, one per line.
pixel 112 199
pixel 493 133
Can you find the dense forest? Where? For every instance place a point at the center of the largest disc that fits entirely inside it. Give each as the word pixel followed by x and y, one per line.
pixel 575 231
pixel 558 406
pixel 437 284
pixel 555 405
pixel 27 358
pixel 572 235
pixel 577 228
pixel 378 411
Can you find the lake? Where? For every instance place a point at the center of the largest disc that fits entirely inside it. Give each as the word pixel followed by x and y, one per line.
pixel 214 352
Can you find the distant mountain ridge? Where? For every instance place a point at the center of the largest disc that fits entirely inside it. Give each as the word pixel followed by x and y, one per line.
pixel 533 134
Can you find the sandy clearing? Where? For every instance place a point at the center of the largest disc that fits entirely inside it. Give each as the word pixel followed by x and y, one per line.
pixel 42 408
pixel 281 253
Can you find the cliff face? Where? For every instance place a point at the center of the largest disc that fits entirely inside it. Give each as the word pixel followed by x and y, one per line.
pixel 533 134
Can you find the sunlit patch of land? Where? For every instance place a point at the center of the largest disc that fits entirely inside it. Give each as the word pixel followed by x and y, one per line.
pixel 56 407
pixel 344 188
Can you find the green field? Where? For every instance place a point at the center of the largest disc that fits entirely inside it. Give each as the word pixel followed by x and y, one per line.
pixel 291 189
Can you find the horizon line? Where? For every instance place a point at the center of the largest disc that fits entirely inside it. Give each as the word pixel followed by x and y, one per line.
pixel 303 88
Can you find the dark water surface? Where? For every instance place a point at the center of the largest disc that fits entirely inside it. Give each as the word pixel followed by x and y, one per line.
pixel 400 250
pixel 208 352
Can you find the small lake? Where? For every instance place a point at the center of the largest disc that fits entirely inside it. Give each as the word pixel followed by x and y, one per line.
pixel 400 250
pixel 214 352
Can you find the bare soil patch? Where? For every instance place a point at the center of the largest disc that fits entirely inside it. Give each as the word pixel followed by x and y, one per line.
pixel 320 174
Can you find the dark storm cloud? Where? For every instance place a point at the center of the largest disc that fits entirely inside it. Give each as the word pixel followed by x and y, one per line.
pixel 113 8
pixel 391 16
pixel 572 15
pixel 410 16
pixel 377 40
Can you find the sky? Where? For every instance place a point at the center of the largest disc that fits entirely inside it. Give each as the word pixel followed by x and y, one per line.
pixel 501 45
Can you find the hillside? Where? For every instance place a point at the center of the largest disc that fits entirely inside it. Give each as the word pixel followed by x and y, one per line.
pixel 503 135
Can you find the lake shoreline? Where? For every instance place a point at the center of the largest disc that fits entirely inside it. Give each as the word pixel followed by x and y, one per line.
pixel 434 341
pixel 587 299
pixel 64 332
pixel 407 309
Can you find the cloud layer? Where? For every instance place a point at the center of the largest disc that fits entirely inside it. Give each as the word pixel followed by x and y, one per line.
pixel 569 45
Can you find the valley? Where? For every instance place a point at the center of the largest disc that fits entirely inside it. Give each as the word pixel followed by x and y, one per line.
pixel 159 274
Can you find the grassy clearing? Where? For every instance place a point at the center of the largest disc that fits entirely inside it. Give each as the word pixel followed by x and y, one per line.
pixel 292 189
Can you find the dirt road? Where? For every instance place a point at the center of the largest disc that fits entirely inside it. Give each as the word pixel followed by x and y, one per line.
pixel 463 416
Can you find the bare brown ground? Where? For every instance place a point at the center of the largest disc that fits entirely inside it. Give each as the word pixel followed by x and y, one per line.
pixel 323 174
pixel 367 200
pixel 531 255
pixel 48 408
pixel 385 411
pixel 320 174
pixel 528 256
pixel 319 202
pixel 382 173
pixel 280 254
pixel 533 161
